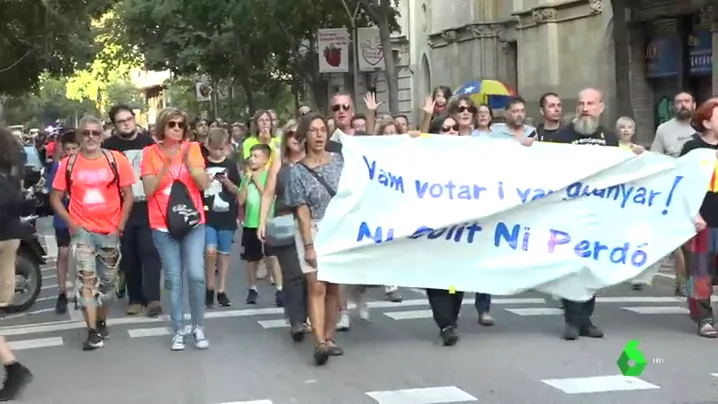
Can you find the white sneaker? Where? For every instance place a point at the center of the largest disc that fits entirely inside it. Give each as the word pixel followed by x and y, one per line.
pixel 177 342
pixel 200 339
pixel 344 322
pixel 363 309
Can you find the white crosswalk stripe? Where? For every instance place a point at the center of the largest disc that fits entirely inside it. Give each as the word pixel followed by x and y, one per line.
pixel 599 384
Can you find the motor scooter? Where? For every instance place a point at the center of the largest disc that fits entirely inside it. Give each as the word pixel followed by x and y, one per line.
pixel 28 273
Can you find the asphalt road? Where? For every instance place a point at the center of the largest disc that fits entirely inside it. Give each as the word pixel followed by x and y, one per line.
pixel 394 358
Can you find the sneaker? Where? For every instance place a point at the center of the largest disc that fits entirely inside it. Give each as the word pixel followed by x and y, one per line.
pixel 177 342
pixel 200 339
pixel 93 341
pixel 17 377
pixel 61 304
pixel 134 309
pixel 363 309
pixel 154 309
pixel 103 330
pixel 209 299
pixel 223 300
pixel 394 296
pixel 448 336
pixel 252 296
pixel 278 299
pixel 344 322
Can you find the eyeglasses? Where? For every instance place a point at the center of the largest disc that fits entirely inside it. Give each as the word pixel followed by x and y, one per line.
pixel 344 107
pixel 91 133
pixel 465 108
pixel 449 128
pixel 290 133
pixel 124 121
pixel 178 124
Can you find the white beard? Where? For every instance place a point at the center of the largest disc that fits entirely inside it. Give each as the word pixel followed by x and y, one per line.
pixel 586 125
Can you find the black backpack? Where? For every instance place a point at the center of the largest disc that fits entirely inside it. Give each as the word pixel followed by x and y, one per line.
pixel 113 166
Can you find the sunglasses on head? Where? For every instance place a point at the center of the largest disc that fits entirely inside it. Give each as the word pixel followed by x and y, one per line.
pixel 465 108
pixel 173 124
pixel 91 133
pixel 344 107
pixel 449 128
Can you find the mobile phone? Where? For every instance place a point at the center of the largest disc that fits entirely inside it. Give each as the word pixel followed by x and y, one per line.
pixel 220 174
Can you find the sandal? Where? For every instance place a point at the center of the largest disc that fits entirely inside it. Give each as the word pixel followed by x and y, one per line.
pixel 334 349
pixel 322 352
pixel 707 330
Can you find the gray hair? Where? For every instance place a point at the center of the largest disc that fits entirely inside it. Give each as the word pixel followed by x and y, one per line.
pixel 625 121
pixel 90 120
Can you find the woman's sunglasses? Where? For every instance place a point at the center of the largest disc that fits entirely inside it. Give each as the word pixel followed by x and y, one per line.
pixel 465 108
pixel 449 128
pixel 173 124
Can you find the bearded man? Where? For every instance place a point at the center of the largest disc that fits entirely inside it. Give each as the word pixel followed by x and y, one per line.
pixel 140 261
pixel 586 129
pixel 669 140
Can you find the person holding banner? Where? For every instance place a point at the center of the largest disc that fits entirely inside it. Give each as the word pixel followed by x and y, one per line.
pixel 700 251
pixel 313 182
pixel 585 130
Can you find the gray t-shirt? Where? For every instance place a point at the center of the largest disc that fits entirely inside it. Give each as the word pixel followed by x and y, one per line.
pixel 304 189
pixel 671 136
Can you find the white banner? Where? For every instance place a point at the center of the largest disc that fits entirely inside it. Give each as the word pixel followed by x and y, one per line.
pixel 490 215
pixel 371 53
pixel 333 50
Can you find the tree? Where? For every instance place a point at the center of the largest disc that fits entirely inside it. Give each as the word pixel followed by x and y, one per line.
pixel 39 36
pixel 304 18
pixel 106 80
pixel 383 13
pixel 48 104
pixel 259 45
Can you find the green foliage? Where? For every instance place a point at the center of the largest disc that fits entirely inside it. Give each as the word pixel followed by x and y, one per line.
pixel 39 36
pixel 45 106
pixel 106 80
pixel 264 46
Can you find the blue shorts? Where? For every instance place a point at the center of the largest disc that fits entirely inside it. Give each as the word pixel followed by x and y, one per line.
pixel 221 240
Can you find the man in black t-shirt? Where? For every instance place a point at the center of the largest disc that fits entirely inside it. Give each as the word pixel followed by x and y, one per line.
pixel 140 261
pixel 585 130
pixel 550 105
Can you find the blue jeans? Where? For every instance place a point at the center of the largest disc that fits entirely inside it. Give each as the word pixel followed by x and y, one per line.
pixel 220 240
pixel 482 302
pixel 182 258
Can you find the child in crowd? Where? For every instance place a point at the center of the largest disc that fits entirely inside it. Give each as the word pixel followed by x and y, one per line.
pixel 253 251
pixel 221 206
pixel 67 147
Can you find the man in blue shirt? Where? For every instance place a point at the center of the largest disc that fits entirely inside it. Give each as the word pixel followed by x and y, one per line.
pixel 68 146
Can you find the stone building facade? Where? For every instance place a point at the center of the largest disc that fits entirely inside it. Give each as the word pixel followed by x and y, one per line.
pixel 559 45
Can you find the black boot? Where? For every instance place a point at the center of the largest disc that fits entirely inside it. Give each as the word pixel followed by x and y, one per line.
pixel 17 377
pixel 572 318
pixel 587 328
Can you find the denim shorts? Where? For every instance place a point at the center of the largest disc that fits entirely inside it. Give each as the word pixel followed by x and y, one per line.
pixel 96 258
pixel 219 239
